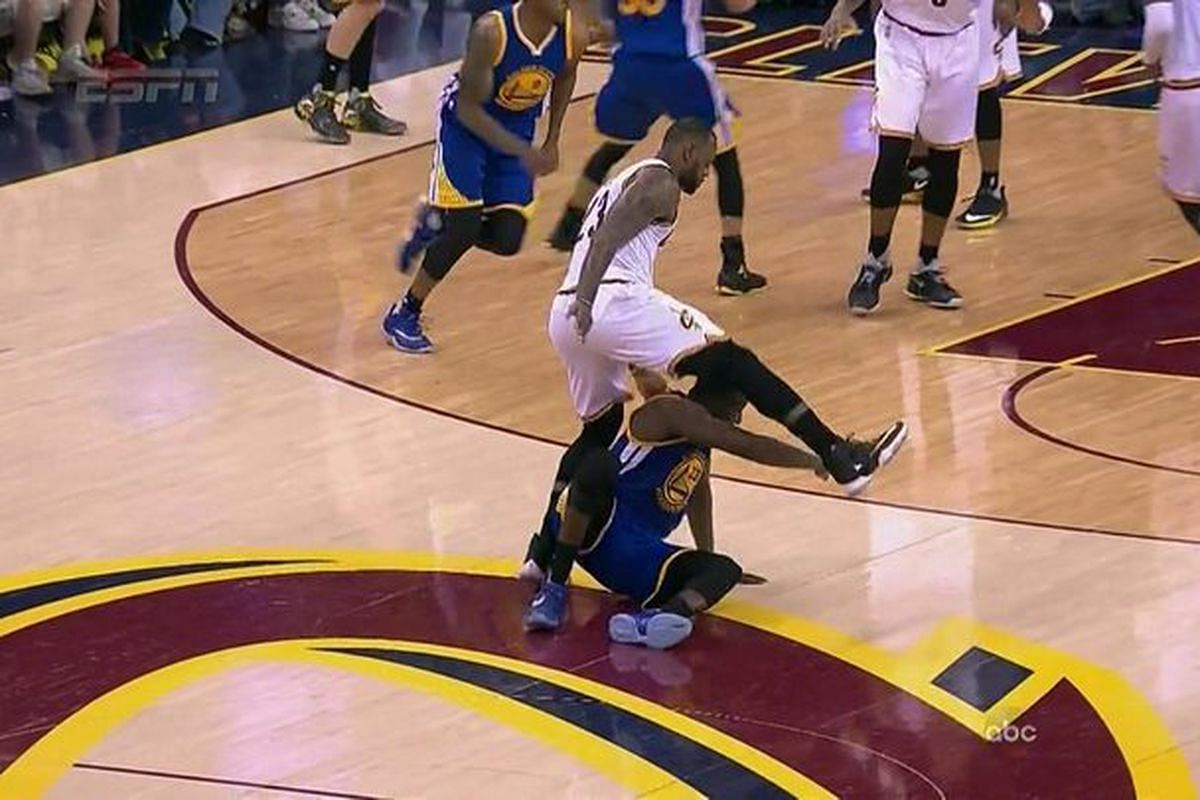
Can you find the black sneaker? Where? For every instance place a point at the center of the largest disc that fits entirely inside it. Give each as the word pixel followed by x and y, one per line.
pixel 864 294
pixel 363 114
pixel 929 286
pixel 316 108
pixel 987 209
pixel 734 281
pixel 566 231
pixel 852 463
pixel 915 181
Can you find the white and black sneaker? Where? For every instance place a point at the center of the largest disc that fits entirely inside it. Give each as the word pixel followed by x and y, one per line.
pixel 988 208
pixel 852 463
pixel 928 285
pixel 872 275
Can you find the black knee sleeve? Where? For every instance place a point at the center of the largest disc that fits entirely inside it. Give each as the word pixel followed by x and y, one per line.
pixel 711 575
pixel 597 434
pixel 988 119
pixel 887 181
pixel 460 232
pixel 603 160
pixel 502 232
pixel 731 195
pixel 942 188
pixel 1191 212
pixel 728 363
pixel 595 483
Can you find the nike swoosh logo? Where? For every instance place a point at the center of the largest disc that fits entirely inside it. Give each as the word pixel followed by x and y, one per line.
pixel 976 217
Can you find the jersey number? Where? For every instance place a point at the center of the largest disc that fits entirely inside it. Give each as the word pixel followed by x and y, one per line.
pixel 645 8
pixel 601 204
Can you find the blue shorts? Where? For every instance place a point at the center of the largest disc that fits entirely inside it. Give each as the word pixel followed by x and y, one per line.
pixel 468 172
pixel 643 88
pixel 628 559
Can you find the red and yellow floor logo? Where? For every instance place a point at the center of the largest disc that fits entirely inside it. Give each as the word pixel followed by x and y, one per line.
pixel 755 704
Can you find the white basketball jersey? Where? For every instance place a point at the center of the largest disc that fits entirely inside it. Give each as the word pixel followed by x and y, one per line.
pixel 633 261
pixel 932 16
pixel 1181 62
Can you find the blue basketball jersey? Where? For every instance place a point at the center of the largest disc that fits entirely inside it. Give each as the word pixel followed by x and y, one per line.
pixel 656 482
pixel 670 28
pixel 522 75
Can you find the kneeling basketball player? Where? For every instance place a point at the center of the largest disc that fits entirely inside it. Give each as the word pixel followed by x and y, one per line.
pixel 626 500
pixel 485 162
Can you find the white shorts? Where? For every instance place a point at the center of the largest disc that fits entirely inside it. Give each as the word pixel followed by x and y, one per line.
pixel 926 83
pixel 631 326
pixel 999 61
pixel 1179 142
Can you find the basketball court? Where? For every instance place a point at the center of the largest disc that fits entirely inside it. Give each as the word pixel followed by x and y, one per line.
pixel 251 551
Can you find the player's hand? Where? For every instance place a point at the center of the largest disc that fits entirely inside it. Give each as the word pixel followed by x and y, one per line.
pixel 550 154
pixel 581 312
pixel 840 21
pixel 538 162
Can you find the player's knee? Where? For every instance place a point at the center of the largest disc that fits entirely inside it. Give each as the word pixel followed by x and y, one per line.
pixel 1191 212
pixel 460 232
pixel 719 359
pixel 940 192
pixel 988 117
pixel 502 232
pixel 725 569
pixel 606 155
pixel 595 483
pixel 887 181
pixel 731 194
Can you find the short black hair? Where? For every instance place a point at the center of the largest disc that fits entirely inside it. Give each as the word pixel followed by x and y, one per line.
pixel 688 129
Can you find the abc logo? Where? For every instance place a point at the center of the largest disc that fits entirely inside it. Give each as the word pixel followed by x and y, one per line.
pixel 1004 728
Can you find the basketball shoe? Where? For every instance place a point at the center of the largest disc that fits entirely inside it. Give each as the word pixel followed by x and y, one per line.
pixel 988 208
pixel 363 114
pixel 402 328
pixel 652 628
pixel 928 285
pixel 566 230
pixel 548 609
pixel 317 109
pixel 852 463
pixel 735 278
pixel 872 275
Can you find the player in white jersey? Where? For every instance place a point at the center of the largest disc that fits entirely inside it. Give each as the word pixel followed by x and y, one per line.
pixel 608 317
pixel 926 77
pixel 1171 40
pixel 999 63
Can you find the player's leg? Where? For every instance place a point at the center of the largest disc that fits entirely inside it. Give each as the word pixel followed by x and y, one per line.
pixel 623 118
pixel 899 91
pixel 588 506
pixel 989 205
pixel 691 581
pixel 362 113
pixel 948 124
pixel 1179 146
pixel 693 92
pixel 916 174
pixel 657 332
pixel 445 227
pixel 507 204
pixel 317 107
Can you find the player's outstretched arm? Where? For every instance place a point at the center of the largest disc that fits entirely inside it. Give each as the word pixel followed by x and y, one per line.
pixel 475 89
pixel 652 196
pixel 841 19
pixel 560 94
pixel 700 514
pixel 679 418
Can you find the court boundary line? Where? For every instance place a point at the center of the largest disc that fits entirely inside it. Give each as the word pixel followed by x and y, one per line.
pixel 184 271
pixel 186 777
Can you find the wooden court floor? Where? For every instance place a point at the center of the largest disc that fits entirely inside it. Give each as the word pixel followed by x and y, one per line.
pixel 249 550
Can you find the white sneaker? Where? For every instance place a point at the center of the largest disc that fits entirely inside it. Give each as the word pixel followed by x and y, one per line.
pixel 5 93
pixel 28 79
pixel 291 16
pixel 72 67
pixel 313 9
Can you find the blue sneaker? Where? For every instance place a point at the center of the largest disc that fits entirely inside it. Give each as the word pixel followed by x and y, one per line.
pixel 427 226
pixel 402 327
pixel 652 628
pixel 548 609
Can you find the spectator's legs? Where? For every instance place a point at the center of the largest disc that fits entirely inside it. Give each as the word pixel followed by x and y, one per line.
pixel 27 77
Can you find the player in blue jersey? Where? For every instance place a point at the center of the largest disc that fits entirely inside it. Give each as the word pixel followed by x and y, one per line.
pixel 659 69
pixel 623 502
pixel 485 161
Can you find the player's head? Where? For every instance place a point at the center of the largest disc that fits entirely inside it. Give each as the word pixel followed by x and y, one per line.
pixel 689 148
pixel 555 10
pixel 719 398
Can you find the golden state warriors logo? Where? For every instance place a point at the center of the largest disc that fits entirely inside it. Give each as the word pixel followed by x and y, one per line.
pixel 525 88
pixel 677 489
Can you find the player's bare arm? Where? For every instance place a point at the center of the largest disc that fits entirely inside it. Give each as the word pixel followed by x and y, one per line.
pixel 700 514
pixel 560 99
pixel 652 196
pixel 475 89
pixel 675 417
pixel 740 6
pixel 841 20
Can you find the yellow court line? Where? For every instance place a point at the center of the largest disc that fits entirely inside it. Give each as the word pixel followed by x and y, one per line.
pixel 1132 721
pixel 1032 362
pixel 1089 295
